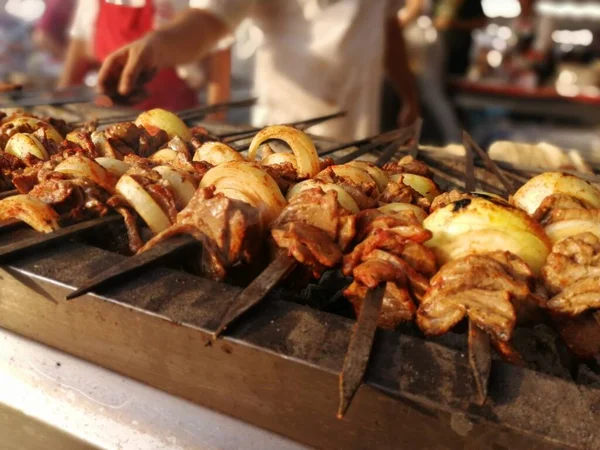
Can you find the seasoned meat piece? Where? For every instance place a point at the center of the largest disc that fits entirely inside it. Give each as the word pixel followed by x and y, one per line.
pixel 314 229
pixel 578 297
pixel 165 199
pixel 311 246
pixel 77 198
pixel 128 138
pixel 201 136
pixel 390 252
pixel 397 306
pixel 364 194
pixel 556 202
pixel 408 165
pixel 325 163
pixel 486 287
pixel 130 219
pixel 448 197
pixel 572 259
pixel 285 175
pixel 397 193
pixel 228 229
pixel 405 225
pixel 60 125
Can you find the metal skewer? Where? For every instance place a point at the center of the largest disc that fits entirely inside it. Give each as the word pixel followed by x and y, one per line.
pixel 129 265
pixel 301 125
pixel 166 248
pixel 363 335
pixel 43 240
pixel 278 269
pixel 478 342
pixel 359 349
pixel 184 114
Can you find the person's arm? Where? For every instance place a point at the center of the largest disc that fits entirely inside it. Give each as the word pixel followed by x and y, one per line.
pixel 399 73
pixel 219 80
pixel 189 37
pixel 412 9
pixel 76 64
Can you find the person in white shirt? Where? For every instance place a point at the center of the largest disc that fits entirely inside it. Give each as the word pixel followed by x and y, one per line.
pixel 317 57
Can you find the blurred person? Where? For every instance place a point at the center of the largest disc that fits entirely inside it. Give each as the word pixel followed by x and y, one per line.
pixel 317 57
pixel 51 31
pixel 101 27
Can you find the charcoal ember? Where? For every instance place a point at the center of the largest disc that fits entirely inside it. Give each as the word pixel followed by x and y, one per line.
pixel 543 350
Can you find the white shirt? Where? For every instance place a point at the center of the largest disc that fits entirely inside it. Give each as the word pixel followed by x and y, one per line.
pixel 317 57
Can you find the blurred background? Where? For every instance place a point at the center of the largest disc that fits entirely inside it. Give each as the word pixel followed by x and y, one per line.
pixel 523 70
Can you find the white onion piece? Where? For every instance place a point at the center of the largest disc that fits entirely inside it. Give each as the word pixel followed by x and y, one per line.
pixel 252 181
pixel 216 153
pixel 51 132
pixel 424 186
pixel 164 156
pixel 23 144
pixel 103 146
pixel 531 194
pixel 485 226
pixel 392 208
pixel 80 166
pixel 114 166
pixel 279 158
pixel 567 228
pixel 301 145
pixel 378 175
pixel 33 212
pixel 143 203
pixel 161 119
pixel 356 175
pixel 183 190
pixel 344 199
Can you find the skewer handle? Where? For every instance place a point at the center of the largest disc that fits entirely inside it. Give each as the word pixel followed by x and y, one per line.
pixel 133 263
pixel 480 359
pixel 43 240
pixel 359 349
pixel 256 291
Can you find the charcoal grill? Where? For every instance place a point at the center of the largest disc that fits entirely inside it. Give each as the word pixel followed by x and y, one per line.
pixel 278 367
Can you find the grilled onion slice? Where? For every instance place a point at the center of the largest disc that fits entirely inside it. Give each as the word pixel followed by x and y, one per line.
pixel 23 144
pixel 164 156
pixel 343 198
pixel 378 175
pixel 33 212
pixel 34 123
pixel 253 182
pixel 115 166
pixel 216 153
pixel 307 160
pixel 80 166
pixel 479 225
pixel 391 208
pixel 424 186
pixel 531 194
pixel 143 203
pixel 279 158
pixel 161 119
pixel 566 228
pixel 182 188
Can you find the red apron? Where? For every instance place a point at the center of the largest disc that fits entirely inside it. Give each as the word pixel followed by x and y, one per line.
pixel 118 26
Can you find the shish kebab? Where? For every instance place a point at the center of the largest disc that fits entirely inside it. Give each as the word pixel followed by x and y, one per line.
pixel 174 163
pixel 25 139
pixel 237 181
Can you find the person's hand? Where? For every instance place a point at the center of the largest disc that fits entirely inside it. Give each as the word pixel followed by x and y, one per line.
pixel 125 69
pixel 409 113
